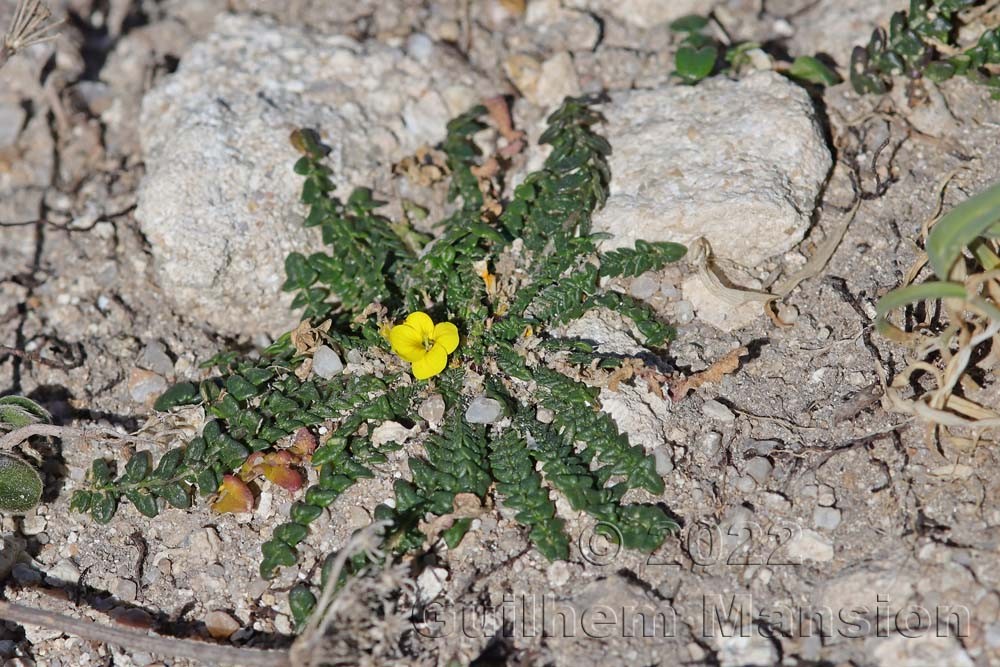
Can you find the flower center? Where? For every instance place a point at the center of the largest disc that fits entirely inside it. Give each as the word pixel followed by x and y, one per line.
pixel 428 343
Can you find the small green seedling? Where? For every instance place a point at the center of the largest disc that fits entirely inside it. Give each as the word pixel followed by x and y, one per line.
pixel 700 55
pixel 923 42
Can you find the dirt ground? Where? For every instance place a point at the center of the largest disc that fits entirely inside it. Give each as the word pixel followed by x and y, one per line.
pixel 818 528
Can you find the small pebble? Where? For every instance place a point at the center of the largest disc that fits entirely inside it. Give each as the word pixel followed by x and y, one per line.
pixel 32 524
pixel 826 517
pixel 664 461
pixel 713 409
pixel 710 443
pixel 326 362
pixel 154 358
pixel 220 624
pixel 483 410
pixel 683 311
pixel 432 409
pixel 825 496
pixel 746 484
pixel 126 590
pixel 644 286
pixel 65 571
pixel 759 468
pixel 545 416
pixel 558 573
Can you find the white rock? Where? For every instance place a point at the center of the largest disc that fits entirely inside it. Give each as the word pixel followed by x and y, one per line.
pixel 718 411
pixel 326 362
pixel 808 545
pixel 432 409
pixel 483 410
pixel 391 431
pixel 925 648
pixel 644 286
pixel 65 571
pixel 639 414
pixel 752 651
pixel 710 443
pixel 219 201
pixel 664 461
pixel 714 310
pixel 827 518
pixel 430 583
pixel 154 358
pixel 738 162
pixel 759 468
pixel 545 84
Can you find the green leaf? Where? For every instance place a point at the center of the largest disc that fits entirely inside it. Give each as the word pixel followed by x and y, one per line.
pixel 18 411
pixel 301 601
pixel 240 389
pixel 939 71
pixel 104 506
pixel 195 451
pixel 168 464
pixel 177 494
pixel 304 513
pixel 962 225
pixel 144 502
pixel 182 393
pixel 137 468
pixel 689 23
pixel 904 296
pixel 694 64
pixel 300 275
pixel 812 70
pixel 20 484
pixel 80 502
pixel 291 533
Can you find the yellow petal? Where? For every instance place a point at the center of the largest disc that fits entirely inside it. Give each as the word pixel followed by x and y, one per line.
pixel 446 334
pixel 422 322
pixel 407 342
pixel 432 363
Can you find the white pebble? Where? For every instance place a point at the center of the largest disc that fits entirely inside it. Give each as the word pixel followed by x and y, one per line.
pixel 483 410
pixel 326 362
pixel 713 409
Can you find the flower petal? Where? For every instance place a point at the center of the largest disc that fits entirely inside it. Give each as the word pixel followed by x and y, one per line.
pixel 407 342
pixel 422 322
pixel 446 334
pixel 432 363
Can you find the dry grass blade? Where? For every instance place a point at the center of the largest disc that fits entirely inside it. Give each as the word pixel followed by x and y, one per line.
pixel 31 25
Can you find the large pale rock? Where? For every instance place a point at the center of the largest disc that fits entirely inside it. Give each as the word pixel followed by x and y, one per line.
pixel 218 204
pixel 738 162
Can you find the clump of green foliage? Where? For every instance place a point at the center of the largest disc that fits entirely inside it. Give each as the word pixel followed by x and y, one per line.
pixel 701 55
pixel 20 483
pixel 507 305
pixel 924 42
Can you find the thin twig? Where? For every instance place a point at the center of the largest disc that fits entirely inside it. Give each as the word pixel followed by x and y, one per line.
pixel 18 436
pixel 37 358
pixel 179 648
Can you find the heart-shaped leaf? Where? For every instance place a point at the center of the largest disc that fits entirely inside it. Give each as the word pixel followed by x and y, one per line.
pixel 694 64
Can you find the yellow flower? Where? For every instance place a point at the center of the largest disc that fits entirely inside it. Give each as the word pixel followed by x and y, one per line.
pixel 424 344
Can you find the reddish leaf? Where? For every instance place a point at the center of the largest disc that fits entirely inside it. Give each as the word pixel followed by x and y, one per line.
pixel 304 444
pixel 287 478
pixel 234 496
